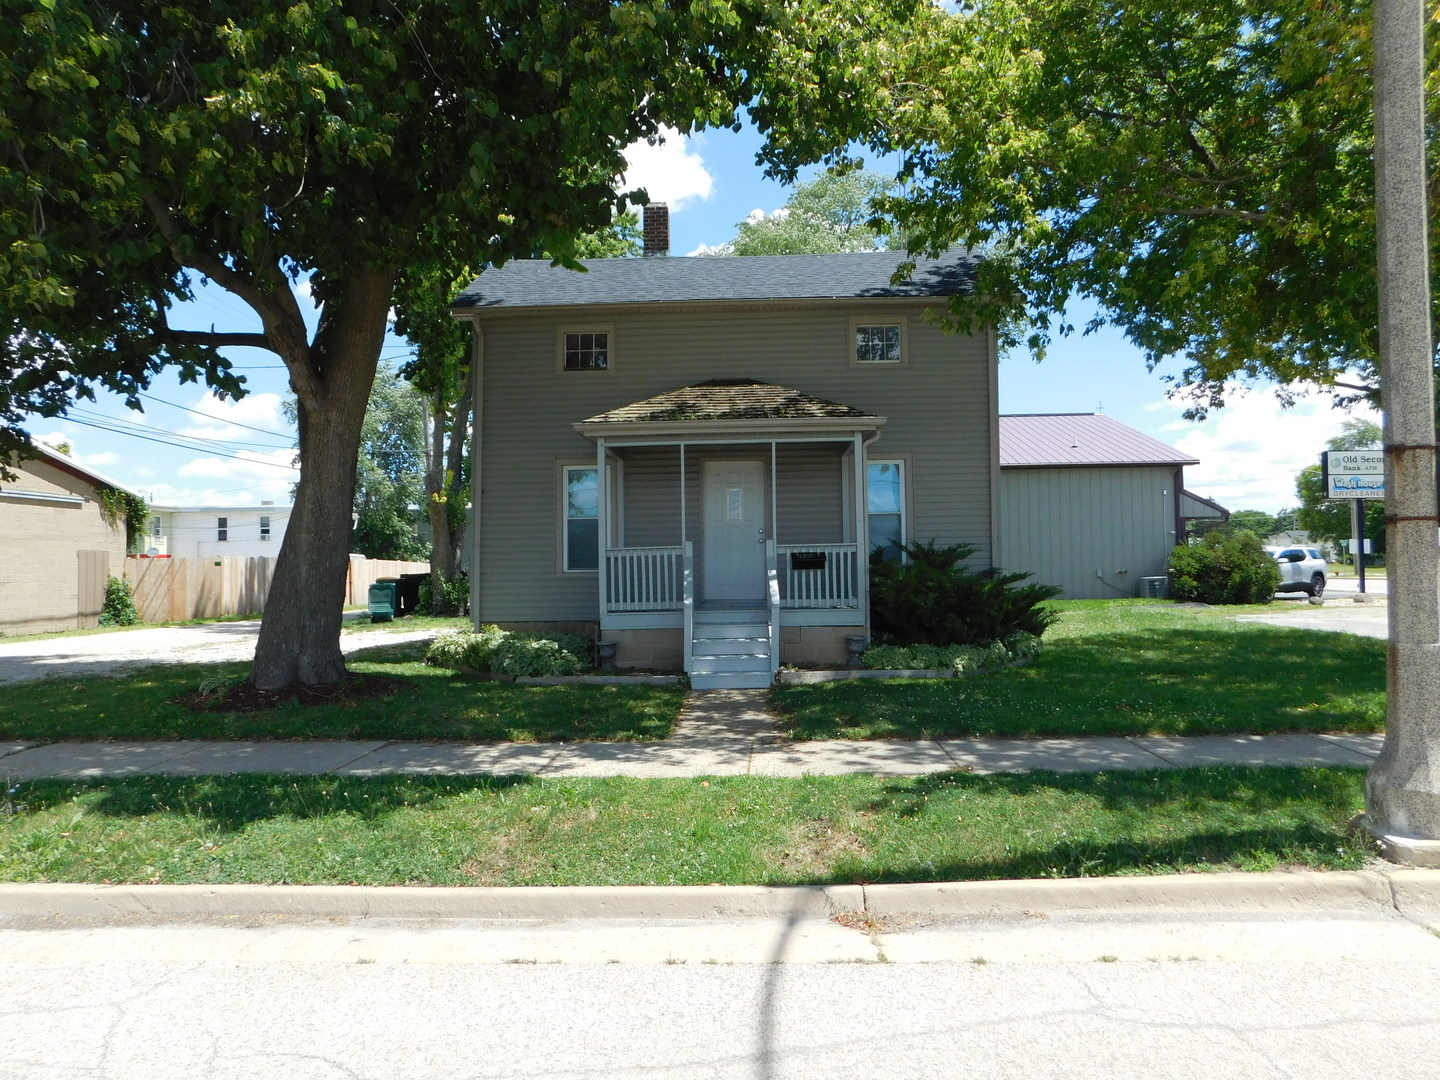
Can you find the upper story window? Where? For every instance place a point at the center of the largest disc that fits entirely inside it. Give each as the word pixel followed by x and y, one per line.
pixel 585 350
pixel 582 518
pixel 264 527
pixel 157 528
pixel 222 528
pixel 879 343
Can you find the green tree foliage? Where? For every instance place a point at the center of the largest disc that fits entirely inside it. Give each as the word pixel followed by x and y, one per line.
pixel 1256 521
pixel 147 144
pixel 831 213
pixel 1224 568
pixel 932 598
pixel 389 476
pixel 1330 520
pixel 1202 171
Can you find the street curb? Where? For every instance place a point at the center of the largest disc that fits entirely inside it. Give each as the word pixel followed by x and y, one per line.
pixel 1407 891
pixel 406 902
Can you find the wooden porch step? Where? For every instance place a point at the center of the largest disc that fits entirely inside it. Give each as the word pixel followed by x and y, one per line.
pixel 729 646
pixel 710 664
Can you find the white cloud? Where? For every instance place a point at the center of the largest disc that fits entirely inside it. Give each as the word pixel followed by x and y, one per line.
pixel 668 171
pixel 105 457
pixel 247 478
pixel 237 419
pixel 1251 450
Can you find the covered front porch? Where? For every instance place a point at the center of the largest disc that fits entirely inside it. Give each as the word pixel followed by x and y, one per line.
pixel 731 530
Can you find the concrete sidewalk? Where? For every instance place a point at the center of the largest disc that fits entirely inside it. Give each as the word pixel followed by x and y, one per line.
pixel 684 756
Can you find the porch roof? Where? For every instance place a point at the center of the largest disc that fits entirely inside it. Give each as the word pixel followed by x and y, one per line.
pixel 729 405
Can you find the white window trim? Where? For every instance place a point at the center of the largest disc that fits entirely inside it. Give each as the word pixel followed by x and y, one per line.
pixel 903 463
pixel 607 329
pixel 902 321
pixel 563 518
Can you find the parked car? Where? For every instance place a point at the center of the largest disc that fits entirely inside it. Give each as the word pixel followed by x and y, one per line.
pixel 1302 569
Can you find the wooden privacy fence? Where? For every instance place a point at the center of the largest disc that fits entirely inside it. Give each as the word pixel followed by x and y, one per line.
pixel 173 590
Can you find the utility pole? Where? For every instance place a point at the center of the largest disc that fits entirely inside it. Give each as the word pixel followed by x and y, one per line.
pixel 1402 792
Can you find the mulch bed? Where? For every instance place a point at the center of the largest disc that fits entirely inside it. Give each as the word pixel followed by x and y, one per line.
pixel 246 698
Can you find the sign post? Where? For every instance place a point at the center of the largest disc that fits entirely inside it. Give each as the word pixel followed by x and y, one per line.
pixel 1356 475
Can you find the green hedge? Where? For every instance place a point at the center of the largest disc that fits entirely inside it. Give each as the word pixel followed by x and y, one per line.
pixel 1224 568
pixel 504 652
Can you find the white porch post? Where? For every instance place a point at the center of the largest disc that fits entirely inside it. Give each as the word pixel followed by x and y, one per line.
pixel 862 535
pixel 603 530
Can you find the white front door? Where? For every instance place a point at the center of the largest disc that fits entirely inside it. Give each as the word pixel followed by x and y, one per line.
pixel 734 553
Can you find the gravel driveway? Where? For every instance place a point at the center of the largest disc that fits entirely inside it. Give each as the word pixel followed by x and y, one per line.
pixel 127 650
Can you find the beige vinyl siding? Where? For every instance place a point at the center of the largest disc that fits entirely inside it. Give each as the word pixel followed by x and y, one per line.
pixel 1064 525
pixel 54 557
pixel 810 494
pixel 651 504
pixel 938 407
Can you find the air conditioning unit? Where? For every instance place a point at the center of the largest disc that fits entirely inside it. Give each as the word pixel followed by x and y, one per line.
pixel 1154 587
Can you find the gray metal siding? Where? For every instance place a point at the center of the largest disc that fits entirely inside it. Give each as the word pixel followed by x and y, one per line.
pixel 809 497
pixel 652 496
pixel 938 406
pixel 1094 532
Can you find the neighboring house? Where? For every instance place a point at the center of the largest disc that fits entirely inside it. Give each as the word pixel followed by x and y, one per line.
pixel 189 532
pixel 1092 505
pixel 57 550
pixel 695 455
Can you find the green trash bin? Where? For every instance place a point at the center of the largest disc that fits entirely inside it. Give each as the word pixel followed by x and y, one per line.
pixel 383 600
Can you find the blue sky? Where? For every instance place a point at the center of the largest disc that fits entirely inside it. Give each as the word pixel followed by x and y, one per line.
pixel 238 452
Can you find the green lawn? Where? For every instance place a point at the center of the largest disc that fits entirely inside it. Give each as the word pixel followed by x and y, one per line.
pixel 1122 668
pixel 730 830
pixel 427 704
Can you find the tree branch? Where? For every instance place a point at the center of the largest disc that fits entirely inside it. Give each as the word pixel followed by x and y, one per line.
pixel 211 338
pixel 1217 212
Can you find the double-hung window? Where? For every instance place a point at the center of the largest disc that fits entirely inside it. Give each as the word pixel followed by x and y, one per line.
pixel 264 527
pixel 885 507
pixel 582 518
pixel 222 528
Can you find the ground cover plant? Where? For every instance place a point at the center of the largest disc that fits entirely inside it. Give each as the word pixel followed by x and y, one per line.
pixel 730 830
pixel 424 703
pixel 507 652
pixel 1121 668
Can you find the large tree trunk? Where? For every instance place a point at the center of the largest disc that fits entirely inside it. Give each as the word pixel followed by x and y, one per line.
pixel 300 633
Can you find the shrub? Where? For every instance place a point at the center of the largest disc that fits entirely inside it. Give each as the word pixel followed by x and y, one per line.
pixel 505 653
pixel 961 659
pixel 932 599
pixel 1224 568
pixel 453 600
pixel 119 607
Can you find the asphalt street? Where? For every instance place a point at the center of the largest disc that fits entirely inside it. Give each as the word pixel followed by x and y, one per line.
pixel 1326 995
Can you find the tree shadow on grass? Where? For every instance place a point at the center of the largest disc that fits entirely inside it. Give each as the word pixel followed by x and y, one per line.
pixel 232 803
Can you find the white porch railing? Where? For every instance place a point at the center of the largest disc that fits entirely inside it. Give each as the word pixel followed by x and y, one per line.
pixel 644 579
pixel 822 576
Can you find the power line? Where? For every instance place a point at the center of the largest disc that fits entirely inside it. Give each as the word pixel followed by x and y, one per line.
pixel 217 419
pixel 192 442
pixel 183 446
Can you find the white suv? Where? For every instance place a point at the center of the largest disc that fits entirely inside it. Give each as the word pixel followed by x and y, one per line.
pixel 1302 569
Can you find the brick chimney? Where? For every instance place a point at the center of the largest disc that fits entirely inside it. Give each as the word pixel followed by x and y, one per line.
pixel 657 229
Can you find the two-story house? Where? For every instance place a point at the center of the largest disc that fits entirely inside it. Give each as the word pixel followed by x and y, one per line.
pixel 695 456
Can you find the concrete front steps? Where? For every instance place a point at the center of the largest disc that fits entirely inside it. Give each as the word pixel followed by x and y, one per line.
pixel 731 651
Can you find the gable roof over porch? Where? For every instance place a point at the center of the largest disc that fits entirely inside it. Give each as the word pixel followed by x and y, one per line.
pixel 728 406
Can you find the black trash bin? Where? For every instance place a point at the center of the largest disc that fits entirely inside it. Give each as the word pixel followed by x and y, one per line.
pixel 408 590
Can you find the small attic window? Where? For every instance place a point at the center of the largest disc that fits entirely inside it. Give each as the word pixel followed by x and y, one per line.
pixel 585 350
pixel 878 343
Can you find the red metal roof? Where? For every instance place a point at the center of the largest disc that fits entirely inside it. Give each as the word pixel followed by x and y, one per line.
pixel 1076 439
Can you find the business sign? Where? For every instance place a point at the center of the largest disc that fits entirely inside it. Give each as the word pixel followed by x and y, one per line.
pixel 1354 474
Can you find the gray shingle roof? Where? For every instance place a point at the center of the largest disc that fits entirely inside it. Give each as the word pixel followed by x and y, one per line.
pixel 1080 439
pixel 530 283
pixel 726 399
